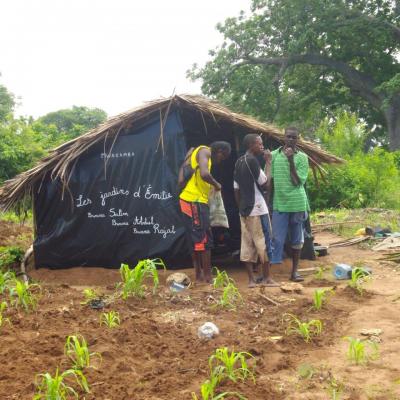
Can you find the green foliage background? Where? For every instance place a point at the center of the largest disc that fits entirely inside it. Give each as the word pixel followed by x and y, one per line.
pixel 23 141
pixel 368 179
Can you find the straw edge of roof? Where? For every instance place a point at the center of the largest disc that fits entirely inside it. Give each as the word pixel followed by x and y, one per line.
pixel 59 159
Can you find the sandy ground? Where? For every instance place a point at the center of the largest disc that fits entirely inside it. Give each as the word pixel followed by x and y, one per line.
pixel 156 354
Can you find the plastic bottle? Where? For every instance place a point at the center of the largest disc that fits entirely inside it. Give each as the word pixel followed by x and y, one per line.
pixel 177 287
pixel 207 331
pixel 342 271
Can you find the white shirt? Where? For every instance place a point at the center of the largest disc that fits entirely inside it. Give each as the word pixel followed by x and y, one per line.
pixel 260 206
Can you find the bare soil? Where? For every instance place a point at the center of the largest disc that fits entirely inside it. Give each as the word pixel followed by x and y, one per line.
pixel 156 354
pixel 13 234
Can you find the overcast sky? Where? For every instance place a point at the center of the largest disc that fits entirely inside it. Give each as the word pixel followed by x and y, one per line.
pixel 112 54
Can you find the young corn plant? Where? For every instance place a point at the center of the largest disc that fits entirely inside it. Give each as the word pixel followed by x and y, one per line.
pixel 231 365
pixel 230 297
pixel 304 329
pixel 55 388
pixel 77 351
pixel 319 273
pixel 89 294
pixel 208 388
pixel 358 280
pixel 3 320
pixel 335 389
pixel 133 279
pixel 6 280
pixel 24 294
pixel 358 350
pixel 221 279
pixel 320 296
pixel 110 319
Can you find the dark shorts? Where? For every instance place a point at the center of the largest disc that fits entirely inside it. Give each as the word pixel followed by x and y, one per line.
pixel 196 217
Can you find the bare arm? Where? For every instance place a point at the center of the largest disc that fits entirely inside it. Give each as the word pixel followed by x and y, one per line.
pixel 181 178
pixel 202 158
pixel 267 170
pixel 289 153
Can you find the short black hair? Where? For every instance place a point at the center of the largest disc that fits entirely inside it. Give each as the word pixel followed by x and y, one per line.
pixel 292 129
pixel 221 146
pixel 250 139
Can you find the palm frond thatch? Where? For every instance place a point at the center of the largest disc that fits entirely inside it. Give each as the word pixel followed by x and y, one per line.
pixel 61 160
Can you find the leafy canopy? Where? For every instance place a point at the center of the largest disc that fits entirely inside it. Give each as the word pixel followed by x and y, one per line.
pixel 296 62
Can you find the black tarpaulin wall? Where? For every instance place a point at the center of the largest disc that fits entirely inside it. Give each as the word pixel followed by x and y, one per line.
pixel 120 211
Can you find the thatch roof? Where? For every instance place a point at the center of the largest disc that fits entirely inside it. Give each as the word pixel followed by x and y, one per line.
pixel 61 160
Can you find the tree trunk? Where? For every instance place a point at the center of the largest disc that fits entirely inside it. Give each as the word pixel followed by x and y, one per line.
pixel 392 116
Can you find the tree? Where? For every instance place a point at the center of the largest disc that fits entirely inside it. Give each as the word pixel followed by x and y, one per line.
pixel 296 60
pixel 20 147
pixel 7 103
pixel 70 123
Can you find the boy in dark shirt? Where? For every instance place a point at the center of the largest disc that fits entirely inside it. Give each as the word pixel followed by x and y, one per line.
pixel 250 183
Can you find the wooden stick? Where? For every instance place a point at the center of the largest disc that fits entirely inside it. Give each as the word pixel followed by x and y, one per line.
pixel 328 224
pixel 268 299
pixel 349 242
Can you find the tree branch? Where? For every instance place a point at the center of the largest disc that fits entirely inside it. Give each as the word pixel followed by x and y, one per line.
pixel 360 83
pixel 375 20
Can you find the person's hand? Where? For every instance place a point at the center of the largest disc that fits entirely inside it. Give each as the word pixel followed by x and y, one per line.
pixel 217 186
pixel 267 156
pixel 288 152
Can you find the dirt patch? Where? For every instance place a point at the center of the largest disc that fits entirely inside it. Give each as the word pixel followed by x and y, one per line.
pixel 354 295
pixel 15 234
pixel 320 283
pixel 156 354
pixel 156 348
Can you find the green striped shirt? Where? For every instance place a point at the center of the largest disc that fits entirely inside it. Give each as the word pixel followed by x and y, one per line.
pixel 288 197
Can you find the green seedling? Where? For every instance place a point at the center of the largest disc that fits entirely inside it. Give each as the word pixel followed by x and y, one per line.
pixel 358 280
pixel 230 297
pixel 304 329
pixel 3 320
pixel 319 273
pixel 320 296
pixel 335 389
pixel 133 279
pixel 89 294
pixel 110 319
pixel 358 350
pixel 306 371
pixel 230 365
pixel 221 279
pixel 6 280
pixel 77 351
pixel 24 294
pixel 55 388
pixel 208 388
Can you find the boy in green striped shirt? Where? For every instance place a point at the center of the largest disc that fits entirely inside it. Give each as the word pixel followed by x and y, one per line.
pixel 289 171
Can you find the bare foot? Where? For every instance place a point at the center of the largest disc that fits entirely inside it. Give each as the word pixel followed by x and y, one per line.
pixel 252 284
pixel 269 283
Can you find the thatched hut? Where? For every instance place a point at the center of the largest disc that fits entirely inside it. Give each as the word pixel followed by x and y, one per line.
pixel 109 196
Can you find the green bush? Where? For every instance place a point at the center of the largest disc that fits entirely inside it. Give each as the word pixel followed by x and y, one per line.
pixel 10 255
pixel 369 179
